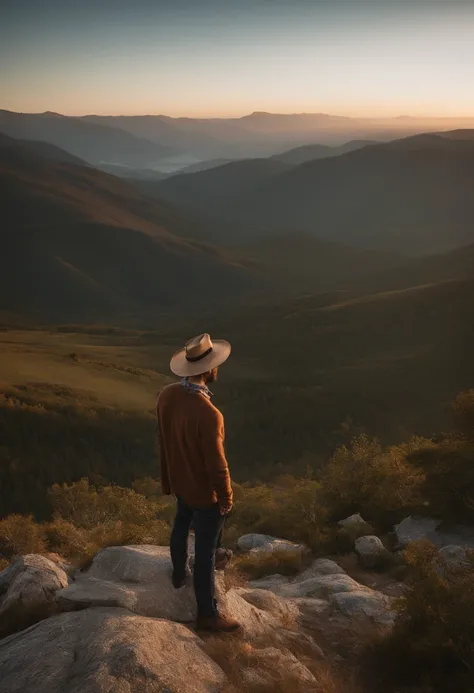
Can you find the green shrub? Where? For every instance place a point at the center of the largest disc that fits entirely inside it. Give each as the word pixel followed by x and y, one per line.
pixel 20 535
pixel 119 533
pixel 366 478
pixel 86 506
pixel 69 541
pixel 433 638
pixel 292 511
pixel 448 485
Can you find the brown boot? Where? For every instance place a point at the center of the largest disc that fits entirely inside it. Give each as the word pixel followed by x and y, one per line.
pixel 217 624
pixel 223 558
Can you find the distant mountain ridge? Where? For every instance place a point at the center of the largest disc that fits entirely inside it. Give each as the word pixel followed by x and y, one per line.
pixel 310 152
pixel 413 195
pixel 144 140
pixel 49 151
pixel 78 243
pixel 92 142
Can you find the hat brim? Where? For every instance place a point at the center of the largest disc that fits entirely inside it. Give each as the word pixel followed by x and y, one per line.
pixel 179 365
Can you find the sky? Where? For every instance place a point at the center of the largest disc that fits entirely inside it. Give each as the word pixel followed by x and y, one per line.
pixel 226 58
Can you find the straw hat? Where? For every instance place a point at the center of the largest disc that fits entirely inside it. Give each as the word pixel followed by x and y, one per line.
pixel 200 355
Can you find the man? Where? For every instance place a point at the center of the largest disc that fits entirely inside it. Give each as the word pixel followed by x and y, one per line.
pixel 194 469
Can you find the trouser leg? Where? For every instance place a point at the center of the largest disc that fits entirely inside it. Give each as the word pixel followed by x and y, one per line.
pixel 208 524
pixel 179 539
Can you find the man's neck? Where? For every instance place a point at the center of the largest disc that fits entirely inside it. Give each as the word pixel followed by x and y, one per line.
pixel 197 380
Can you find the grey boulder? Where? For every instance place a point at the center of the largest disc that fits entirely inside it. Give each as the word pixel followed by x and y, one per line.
pixel 28 588
pixel 429 528
pixel 103 650
pixel 320 587
pixel 263 543
pixel 138 578
pixel 321 566
pixel 353 521
pixel 373 605
pixel 455 556
pixel 415 529
pixel 371 552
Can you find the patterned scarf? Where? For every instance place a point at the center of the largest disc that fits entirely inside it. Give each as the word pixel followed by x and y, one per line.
pixel 200 389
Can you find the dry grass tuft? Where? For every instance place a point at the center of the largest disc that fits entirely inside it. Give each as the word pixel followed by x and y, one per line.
pixel 264 666
pixel 234 577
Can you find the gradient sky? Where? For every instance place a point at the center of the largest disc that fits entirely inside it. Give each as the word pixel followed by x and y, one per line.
pixel 231 57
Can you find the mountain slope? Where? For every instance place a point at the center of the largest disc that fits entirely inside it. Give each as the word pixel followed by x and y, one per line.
pixel 80 243
pixel 411 195
pixel 210 192
pixel 48 151
pixel 87 140
pixel 204 165
pixel 309 152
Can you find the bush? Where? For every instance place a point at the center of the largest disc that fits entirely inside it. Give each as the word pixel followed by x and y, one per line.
pixel 86 519
pixel 370 479
pixel 257 667
pixel 67 540
pixel 292 511
pixel 86 506
pixel 433 637
pixel 449 479
pixel 346 537
pixel 20 535
pixel 89 518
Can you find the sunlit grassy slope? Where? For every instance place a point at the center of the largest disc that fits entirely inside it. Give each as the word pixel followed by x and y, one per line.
pixel 107 370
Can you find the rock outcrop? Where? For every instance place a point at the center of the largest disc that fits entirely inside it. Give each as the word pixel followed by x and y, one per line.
pixel 28 588
pixel 375 606
pixel 138 578
pixel 321 566
pixel 352 522
pixel 371 552
pixel 455 556
pixel 126 629
pixel 325 586
pixel 101 650
pixel 263 543
pixel 414 528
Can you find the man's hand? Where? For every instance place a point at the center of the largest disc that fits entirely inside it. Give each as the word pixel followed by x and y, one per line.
pixel 224 510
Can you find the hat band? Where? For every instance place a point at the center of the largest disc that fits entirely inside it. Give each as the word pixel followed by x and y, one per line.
pixel 193 359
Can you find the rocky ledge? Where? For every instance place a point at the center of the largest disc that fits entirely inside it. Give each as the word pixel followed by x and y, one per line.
pixel 121 626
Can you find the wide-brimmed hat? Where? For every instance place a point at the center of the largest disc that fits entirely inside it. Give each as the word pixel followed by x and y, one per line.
pixel 200 355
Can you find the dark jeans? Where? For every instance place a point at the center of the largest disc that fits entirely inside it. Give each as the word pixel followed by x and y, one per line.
pixel 207 525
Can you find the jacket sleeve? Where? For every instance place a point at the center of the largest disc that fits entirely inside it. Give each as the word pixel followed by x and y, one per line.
pixel 212 439
pixel 165 482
